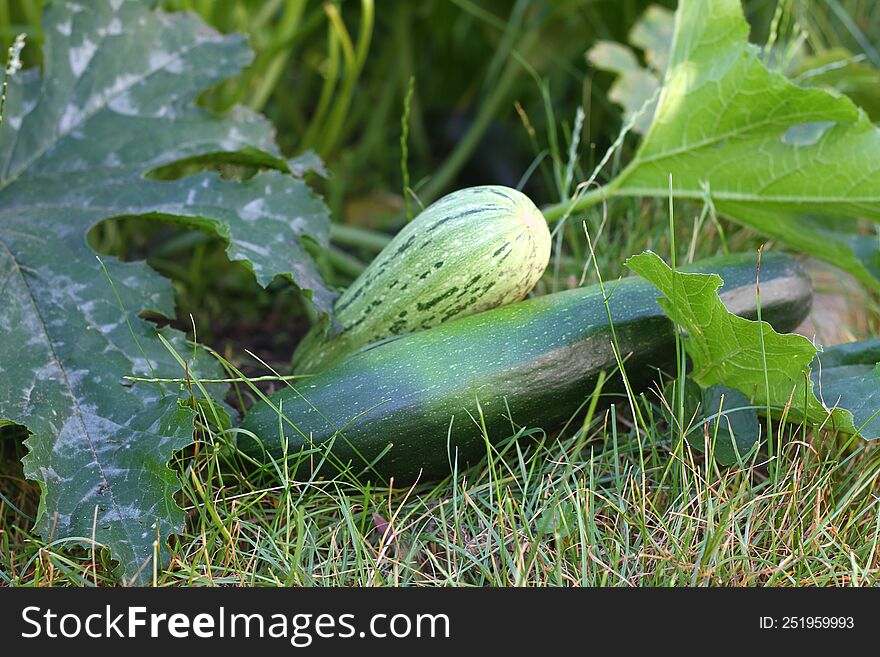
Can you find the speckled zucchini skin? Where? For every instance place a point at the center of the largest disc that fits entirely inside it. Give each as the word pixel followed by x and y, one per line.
pixel 416 396
pixel 474 249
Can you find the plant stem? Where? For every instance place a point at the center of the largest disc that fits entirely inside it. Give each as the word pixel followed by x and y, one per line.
pixel 344 263
pixel 404 146
pixel 284 45
pixel 361 237
pixel 554 213
pixel 331 78
pixel 354 58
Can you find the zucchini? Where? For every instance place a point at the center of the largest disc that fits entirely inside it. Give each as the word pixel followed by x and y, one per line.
pixel 408 405
pixel 472 250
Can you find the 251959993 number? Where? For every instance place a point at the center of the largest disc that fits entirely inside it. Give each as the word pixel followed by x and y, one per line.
pixel 816 622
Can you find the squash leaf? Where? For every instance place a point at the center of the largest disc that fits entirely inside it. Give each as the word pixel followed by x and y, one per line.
pixel 775 371
pixel 769 154
pixel 115 101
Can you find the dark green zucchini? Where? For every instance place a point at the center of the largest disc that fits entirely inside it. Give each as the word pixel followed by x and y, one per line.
pixel 406 407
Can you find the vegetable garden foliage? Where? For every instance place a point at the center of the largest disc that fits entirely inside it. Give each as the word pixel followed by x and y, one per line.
pixel 774 156
pixel 767 153
pixel 116 100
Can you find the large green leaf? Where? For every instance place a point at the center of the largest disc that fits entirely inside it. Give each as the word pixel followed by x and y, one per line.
pixel 774 370
pixel 116 100
pixel 768 153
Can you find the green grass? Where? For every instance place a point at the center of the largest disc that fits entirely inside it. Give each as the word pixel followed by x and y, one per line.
pixel 600 505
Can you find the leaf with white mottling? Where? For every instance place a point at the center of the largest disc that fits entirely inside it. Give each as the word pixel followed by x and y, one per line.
pixel 116 100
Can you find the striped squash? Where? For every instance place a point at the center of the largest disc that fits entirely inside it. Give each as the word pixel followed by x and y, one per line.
pixel 474 249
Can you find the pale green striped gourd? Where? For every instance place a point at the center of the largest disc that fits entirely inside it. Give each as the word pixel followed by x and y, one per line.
pixel 474 249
